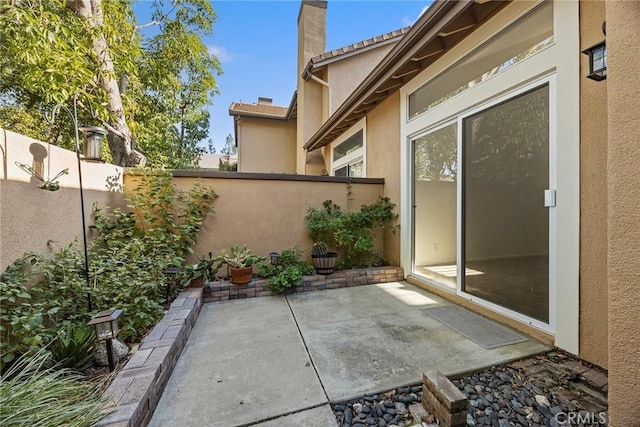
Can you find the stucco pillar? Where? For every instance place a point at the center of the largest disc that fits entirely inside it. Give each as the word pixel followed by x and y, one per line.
pixel 623 223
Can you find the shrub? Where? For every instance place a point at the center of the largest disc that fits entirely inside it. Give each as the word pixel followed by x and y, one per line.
pixel 288 272
pixel 32 395
pixel 352 233
pixel 126 262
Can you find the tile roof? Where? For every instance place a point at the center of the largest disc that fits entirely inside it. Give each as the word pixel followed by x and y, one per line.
pixel 258 110
pixel 334 54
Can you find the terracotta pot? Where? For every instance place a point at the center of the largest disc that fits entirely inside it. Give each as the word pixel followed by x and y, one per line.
pixel 241 276
pixel 325 263
pixel 196 283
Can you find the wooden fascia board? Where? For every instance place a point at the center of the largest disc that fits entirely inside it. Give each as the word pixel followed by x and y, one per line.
pixel 443 12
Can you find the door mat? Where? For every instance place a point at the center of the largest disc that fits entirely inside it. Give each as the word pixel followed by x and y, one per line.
pixel 479 329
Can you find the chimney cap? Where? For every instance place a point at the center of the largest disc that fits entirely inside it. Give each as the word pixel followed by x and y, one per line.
pixel 265 101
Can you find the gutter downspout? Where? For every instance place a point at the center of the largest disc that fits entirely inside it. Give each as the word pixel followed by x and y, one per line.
pixel 318 158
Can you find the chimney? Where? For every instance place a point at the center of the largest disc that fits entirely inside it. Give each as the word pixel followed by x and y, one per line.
pixel 312 31
pixel 265 101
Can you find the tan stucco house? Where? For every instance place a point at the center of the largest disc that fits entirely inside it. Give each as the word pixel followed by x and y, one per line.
pixel 516 176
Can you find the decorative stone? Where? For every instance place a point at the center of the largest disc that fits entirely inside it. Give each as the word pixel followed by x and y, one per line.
pixel 120 351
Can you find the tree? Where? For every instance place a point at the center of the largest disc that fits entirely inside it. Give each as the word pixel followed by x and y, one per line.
pixel 50 49
pixel 230 147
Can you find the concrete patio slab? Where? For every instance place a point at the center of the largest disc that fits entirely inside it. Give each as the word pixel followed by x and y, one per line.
pixel 376 338
pixel 254 361
pixel 244 362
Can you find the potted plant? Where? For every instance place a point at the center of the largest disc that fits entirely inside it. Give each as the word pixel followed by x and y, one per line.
pixel 323 260
pixel 201 272
pixel 240 262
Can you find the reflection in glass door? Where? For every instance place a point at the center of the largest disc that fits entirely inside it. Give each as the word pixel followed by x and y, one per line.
pixel 435 168
pixel 505 159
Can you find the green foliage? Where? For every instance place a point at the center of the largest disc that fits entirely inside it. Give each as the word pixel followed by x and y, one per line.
pixel 50 50
pixel 206 267
pixel 72 348
pixel 288 272
pixel 126 262
pixel 33 395
pixel 352 233
pixel 239 257
pixel 227 166
pixel 28 316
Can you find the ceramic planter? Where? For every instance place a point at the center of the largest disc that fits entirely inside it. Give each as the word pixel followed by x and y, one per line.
pixel 325 263
pixel 241 276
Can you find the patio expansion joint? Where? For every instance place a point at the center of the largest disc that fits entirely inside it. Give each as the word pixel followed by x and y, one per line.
pixel 275 417
pixel 306 349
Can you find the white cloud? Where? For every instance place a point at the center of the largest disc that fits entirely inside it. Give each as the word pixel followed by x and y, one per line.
pixel 221 53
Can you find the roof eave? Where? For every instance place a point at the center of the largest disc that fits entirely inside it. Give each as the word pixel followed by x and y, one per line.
pixel 393 67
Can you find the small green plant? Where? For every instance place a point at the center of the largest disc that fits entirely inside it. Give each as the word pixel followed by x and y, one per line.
pixel 32 394
pixel 72 348
pixel 288 272
pixel 352 233
pixel 239 257
pixel 319 248
pixel 206 267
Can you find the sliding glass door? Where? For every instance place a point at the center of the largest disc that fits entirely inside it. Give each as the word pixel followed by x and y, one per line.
pixel 479 185
pixel 505 223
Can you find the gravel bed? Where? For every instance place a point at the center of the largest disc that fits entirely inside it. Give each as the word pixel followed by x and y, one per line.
pixel 504 397
pixel 389 409
pixel 527 393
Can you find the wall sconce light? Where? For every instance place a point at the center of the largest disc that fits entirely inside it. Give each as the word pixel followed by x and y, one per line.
pixel 598 58
pixel 92 148
pixel 106 324
pixel 275 258
pixel 597 61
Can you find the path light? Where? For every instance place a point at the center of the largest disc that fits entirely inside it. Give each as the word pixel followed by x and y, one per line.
pixel 275 258
pixel 171 275
pixel 106 324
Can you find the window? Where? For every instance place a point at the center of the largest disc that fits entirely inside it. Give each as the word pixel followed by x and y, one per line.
pixel 526 37
pixel 348 156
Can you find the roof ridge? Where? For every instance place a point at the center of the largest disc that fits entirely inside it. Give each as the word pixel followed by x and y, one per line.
pixel 360 44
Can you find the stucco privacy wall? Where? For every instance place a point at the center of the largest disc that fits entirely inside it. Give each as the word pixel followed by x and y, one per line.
pixel 266 145
pixel 266 211
pixel 593 193
pixel 623 209
pixel 31 217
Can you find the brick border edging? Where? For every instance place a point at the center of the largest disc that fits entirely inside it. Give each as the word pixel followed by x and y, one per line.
pixel 137 388
pixel 224 290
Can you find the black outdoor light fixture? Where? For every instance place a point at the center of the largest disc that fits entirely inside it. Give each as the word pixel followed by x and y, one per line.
pixel 171 274
pixel 106 324
pixel 275 258
pixel 598 58
pixel 93 152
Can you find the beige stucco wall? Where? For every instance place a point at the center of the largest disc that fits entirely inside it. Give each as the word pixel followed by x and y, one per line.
pixel 266 145
pixel 623 209
pixel 31 217
pixel 346 74
pixel 268 215
pixel 383 161
pixel 593 193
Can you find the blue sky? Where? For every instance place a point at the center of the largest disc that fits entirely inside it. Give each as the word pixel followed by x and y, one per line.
pixel 256 44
